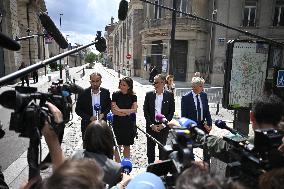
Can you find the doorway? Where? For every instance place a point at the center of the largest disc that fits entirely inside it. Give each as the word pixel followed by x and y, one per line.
pixel 180 60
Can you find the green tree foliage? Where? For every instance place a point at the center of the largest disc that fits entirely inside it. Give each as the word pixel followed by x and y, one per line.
pixel 90 57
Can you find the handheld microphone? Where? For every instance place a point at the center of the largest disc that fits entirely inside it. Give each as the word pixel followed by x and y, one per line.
pixel 190 124
pixel 161 118
pixel 97 107
pixel 51 29
pixel 222 125
pixel 110 117
pixel 122 10
pixel 126 165
pixel 8 43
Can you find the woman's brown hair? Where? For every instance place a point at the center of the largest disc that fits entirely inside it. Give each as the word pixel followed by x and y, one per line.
pixel 99 138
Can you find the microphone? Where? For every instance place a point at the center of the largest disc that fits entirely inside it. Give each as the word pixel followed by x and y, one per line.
pixel 100 43
pixel 191 125
pixel 110 117
pixel 97 107
pixel 8 43
pixel 122 10
pixel 161 118
pixel 126 165
pixel 222 125
pixel 51 29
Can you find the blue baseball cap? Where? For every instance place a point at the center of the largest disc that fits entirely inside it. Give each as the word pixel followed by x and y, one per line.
pixel 146 181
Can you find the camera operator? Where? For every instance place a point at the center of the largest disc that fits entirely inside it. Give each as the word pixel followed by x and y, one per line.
pixel 81 173
pixel 267 112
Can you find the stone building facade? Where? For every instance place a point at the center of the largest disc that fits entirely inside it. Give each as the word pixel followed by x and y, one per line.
pixel 199 45
pixel 19 20
pixel 262 17
pixel 146 32
pixel 127 41
pixel 109 40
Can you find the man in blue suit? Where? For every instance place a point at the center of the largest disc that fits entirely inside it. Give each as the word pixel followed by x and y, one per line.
pixel 194 105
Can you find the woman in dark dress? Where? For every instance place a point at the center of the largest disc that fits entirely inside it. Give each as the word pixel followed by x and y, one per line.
pixel 124 103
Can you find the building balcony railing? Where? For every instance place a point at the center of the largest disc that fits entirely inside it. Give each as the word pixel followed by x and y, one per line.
pixel 190 23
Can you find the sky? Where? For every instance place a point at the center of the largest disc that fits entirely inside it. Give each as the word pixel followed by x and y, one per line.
pixel 82 19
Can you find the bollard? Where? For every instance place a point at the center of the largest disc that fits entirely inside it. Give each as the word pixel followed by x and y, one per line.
pixel 49 78
pixel 83 72
pixel 118 72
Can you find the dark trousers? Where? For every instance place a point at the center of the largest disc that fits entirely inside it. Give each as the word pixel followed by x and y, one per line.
pixel 23 79
pixel 162 138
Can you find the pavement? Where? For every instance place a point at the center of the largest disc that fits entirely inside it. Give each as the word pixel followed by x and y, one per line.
pixel 17 172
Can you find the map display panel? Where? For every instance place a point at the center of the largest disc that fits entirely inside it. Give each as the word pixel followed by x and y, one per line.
pixel 248 73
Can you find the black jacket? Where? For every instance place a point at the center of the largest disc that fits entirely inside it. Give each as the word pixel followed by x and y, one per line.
pixel 168 107
pixel 84 107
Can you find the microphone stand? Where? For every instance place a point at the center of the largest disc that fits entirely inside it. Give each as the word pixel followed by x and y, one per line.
pixel 152 138
pixel 115 141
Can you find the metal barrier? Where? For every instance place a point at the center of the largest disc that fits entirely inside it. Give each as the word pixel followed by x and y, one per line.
pixel 214 94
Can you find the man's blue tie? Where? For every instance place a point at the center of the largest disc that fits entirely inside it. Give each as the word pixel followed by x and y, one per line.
pixel 198 109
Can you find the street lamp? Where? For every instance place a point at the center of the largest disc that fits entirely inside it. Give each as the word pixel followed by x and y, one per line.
pixel 30 53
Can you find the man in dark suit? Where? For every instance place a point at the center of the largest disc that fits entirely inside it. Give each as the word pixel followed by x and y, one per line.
pixel 158 101
pixel 94 95
pixel 194 105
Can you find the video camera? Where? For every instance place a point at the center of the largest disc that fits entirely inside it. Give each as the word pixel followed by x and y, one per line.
pixel 180 151
pixel 248 160
pixel 28 114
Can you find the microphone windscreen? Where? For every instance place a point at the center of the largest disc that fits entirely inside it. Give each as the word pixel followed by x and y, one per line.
pixel 220 124
pixel 97 107
pixel 100 44
pixel 159 117
pixel 8 99
pixel 51 29
pixel 187 123
pixel 8 43
pixel 126 164
pixel 110 117
pixel 122 10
